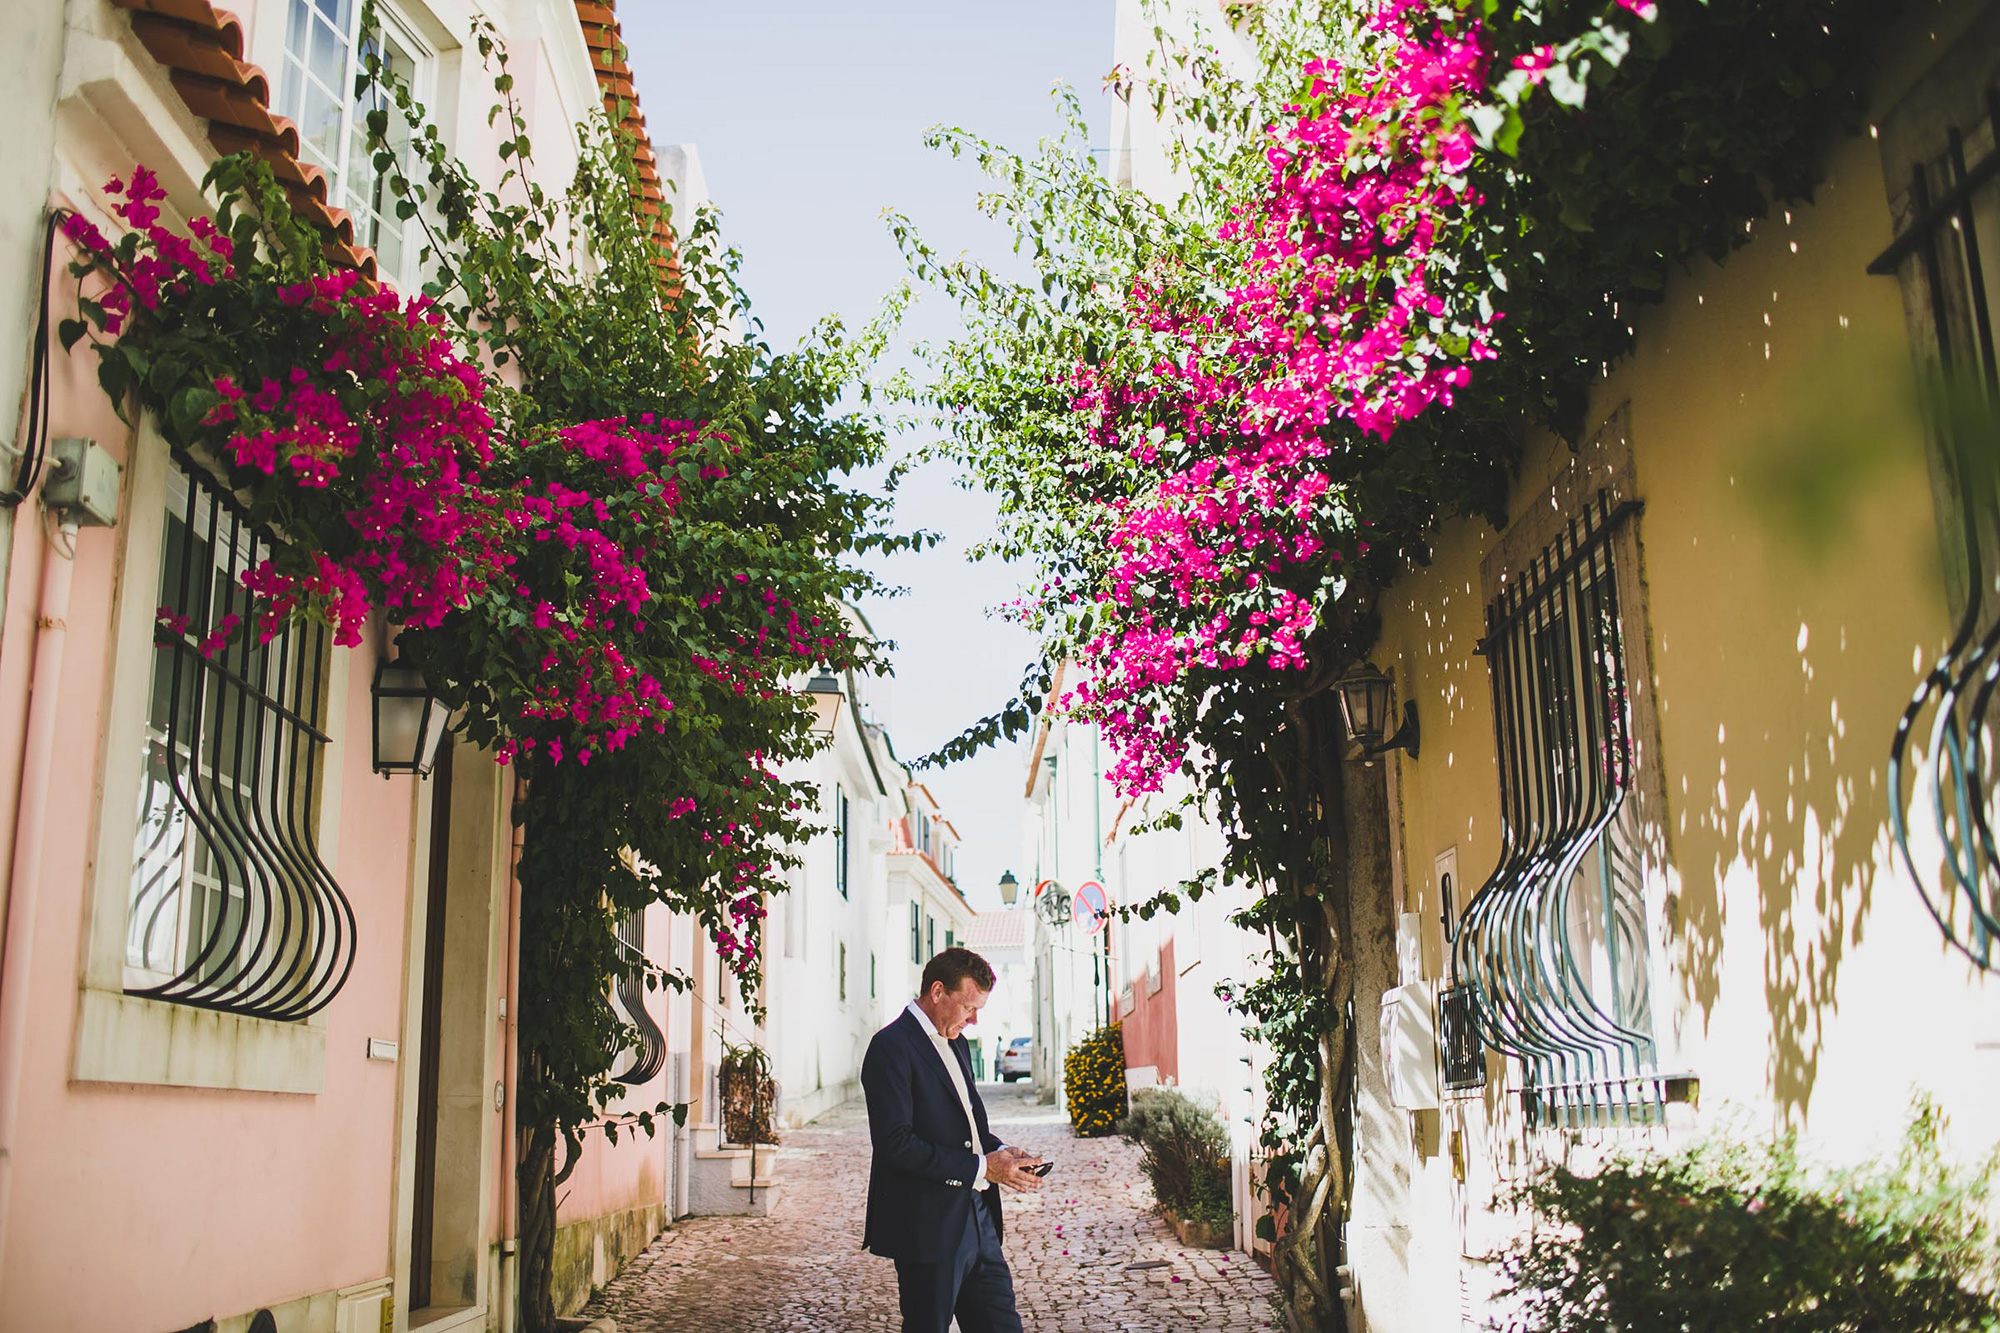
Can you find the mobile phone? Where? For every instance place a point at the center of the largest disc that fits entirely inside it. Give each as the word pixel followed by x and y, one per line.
pixel 1040 1170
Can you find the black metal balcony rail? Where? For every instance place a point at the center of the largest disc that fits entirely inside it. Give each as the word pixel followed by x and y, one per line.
pixel 232 907
pixel 1946 788
pixel 649 1055
pixel 1551 949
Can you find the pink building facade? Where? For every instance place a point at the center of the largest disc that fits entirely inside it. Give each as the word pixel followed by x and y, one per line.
pixel 255 1002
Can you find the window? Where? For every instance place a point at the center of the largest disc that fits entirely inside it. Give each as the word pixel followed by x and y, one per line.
pixel 916 934
pixel 843 973
pixel 930 937
pixel 950 939
pixel 871 974
pixel 840 839
pixel 1940 147
pixel 649 1053
pixel 324 54
pixel 230 905
pixel 1554 945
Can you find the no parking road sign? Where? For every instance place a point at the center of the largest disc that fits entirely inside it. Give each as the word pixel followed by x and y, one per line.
pixel 1092 906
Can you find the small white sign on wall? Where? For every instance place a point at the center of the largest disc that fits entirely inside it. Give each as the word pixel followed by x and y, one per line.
pixel 1409 1047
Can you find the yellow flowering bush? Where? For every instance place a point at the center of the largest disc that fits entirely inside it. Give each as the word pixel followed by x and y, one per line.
pixel 1094 1082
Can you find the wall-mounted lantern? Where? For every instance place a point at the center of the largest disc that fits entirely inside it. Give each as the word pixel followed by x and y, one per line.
pixel 826 695
pixel 409 720
pixel 1010 888
pixel 1364 708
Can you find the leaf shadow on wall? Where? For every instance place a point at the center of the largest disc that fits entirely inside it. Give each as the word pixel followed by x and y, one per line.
pixel 1819 566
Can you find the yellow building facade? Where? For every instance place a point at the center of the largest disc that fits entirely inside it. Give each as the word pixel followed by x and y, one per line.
pixel 1676 676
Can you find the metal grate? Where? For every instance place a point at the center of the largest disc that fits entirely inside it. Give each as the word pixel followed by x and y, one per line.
pixel 231 906
pixel 1460 1050
pixel 1946 788
pixel 1552 947
pixel 650 1056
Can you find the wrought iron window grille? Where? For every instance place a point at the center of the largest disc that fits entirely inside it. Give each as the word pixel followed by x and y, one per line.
pixel 1551 950
pixel 649 1051
pixel 231 906
pixel 1946 787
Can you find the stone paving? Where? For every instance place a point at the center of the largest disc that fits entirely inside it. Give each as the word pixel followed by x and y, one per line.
pixel 1073 1247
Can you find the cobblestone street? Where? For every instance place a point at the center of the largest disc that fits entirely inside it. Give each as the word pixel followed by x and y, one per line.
pixel 1076 1248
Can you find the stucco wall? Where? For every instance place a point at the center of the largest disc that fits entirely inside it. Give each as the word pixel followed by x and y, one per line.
pixel 184 1183
pixel 1152 1029
pixel 213 1201
pixel 1795 972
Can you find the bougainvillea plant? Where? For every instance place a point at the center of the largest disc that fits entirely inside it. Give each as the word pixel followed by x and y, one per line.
pixel 1219 422
pixel 607 526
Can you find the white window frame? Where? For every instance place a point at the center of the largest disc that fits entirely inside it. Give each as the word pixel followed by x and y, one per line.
pixel 297 81
pixel 125 1038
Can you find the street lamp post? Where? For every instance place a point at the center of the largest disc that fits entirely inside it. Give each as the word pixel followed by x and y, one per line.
pixel 826 695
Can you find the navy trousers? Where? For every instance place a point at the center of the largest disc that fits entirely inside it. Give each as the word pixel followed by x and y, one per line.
pixel 976 1285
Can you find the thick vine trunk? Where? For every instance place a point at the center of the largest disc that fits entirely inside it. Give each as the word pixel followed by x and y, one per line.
pixel 535 1177
pixel 1306 1259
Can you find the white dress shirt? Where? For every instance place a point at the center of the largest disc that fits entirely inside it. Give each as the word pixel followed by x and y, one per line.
pixel 950 1058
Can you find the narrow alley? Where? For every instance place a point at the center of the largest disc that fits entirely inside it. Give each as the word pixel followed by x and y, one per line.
pixel 1089 1253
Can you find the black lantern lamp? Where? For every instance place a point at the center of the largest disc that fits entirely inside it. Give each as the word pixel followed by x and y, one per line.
pixel 826 694
pixel 1364 709
pixel 409 720
pixel 1010 888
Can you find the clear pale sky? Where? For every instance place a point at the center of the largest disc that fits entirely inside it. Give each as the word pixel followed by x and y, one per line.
pixel 809 118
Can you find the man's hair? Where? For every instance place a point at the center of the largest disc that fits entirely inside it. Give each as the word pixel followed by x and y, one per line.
pixel 953 966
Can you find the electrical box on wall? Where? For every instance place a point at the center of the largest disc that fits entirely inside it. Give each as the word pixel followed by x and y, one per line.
pixel 1409 1047
pixel 82 484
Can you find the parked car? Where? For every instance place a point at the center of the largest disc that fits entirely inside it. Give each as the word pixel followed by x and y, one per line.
pixel 1013 1063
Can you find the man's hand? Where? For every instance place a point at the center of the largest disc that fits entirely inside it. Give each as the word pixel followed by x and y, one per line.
pixel 1009 1167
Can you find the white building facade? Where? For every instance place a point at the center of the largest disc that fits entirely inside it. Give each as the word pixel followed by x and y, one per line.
pixel 873 898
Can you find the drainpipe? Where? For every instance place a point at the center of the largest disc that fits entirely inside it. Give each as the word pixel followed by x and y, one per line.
pixel 510 1194
pixel 30 825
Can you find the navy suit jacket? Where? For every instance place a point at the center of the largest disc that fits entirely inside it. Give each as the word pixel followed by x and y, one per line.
pixel 920 1191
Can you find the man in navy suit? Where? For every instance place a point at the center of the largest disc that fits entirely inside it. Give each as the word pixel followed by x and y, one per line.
pixel 932 1205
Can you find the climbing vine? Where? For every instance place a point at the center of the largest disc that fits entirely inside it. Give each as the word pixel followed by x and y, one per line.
pixel 1219 424
pixel 591 504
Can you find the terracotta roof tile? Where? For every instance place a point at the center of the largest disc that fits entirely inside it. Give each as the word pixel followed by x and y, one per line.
pixel 602 35
pixel 201 48
pixel 1007 928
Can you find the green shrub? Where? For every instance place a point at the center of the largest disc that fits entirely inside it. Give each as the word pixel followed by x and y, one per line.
pixel 1094 1082
pixel 1730 1236
pixel 1184 1151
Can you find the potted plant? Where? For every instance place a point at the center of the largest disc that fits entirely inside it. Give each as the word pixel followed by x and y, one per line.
pixel 1184 1152
pixel 749 1094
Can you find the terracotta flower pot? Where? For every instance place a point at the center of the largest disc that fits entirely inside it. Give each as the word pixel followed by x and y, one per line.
pixel 1202 1233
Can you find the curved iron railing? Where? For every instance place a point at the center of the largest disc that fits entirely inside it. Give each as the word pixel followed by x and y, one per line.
pixel 649 1055
pixel 1552 946
pixel 231 906
pixel 1953 774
